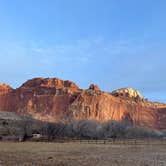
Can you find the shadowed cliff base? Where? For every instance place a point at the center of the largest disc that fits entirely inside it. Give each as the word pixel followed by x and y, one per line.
pixel 22 128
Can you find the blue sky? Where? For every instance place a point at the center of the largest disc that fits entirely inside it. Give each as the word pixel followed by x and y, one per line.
pixel 113 43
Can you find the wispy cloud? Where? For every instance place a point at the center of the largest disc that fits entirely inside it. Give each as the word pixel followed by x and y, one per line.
pixel 110 64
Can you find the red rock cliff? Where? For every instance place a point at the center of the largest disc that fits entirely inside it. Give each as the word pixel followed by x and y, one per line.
pixel 52 99
pixel 4 88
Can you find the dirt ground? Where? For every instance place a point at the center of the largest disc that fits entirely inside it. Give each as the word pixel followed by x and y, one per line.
pixel 80 154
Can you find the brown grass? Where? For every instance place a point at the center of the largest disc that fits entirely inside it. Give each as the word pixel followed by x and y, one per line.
pixel 80 154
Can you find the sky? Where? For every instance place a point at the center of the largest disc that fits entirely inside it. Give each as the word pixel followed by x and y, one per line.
pixel 112 43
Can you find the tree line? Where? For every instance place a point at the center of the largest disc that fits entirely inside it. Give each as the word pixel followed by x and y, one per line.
pixel 92 129
pixel 78 129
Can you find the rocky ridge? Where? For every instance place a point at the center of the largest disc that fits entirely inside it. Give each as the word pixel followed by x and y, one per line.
pixel 128 92
pixel 4 88
pixel 53 99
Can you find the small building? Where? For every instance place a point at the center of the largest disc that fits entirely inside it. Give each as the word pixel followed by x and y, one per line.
pixel 36 136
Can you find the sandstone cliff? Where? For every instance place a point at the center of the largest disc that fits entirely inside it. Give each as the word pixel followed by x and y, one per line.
pixel 128 92
pixel 4 88
pixel 52 99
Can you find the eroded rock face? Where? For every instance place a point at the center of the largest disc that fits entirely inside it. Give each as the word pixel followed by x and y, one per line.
pixel 49 82
pixel 127 92
pixel 4 88
pixel 94 87
pixel 52 99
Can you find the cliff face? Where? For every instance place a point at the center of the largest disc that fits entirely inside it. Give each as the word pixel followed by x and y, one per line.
pixel 4 88
pixel 57 100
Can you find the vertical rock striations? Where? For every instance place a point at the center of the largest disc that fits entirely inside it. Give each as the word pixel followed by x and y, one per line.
pixel 52 99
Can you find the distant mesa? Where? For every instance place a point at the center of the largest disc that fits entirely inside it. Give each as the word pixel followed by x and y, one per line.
pixel 127 92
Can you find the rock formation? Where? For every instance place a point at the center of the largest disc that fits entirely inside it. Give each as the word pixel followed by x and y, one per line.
pixel 52 99
pixel 4 88
pixel 94 87
pixel 127 92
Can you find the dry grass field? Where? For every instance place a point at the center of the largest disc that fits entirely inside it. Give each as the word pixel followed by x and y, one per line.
pixel 80 154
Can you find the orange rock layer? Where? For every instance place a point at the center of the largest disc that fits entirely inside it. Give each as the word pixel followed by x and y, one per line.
pixel 52 99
